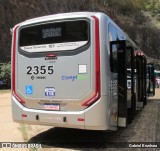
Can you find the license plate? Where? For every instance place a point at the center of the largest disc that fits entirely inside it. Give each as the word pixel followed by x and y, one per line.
pixel 55 107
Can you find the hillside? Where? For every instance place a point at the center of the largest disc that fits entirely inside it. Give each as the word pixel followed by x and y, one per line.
pixel 140 19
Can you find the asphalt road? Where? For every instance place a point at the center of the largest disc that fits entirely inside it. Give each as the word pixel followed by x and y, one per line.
pixel 144 128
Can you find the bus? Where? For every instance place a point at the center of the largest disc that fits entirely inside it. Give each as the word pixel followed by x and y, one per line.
pixel 70 70
pixel 157 78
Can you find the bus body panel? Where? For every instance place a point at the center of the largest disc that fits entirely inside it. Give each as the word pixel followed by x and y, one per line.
pixel 74 119
pixel 67 81
pixel 109 84
pixel 17 110
pixel 68 85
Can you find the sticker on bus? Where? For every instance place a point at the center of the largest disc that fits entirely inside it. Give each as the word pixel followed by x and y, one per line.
pixel 29 89
pixel 82 68
pixel 49 91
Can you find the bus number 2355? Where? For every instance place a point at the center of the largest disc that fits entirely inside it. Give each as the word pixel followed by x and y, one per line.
pixel 40 70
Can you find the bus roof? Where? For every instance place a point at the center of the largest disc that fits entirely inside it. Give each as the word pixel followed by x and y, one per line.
pixel 60 16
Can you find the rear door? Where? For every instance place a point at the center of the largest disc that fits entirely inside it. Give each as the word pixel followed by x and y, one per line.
pixel 121 68
pixel 54 65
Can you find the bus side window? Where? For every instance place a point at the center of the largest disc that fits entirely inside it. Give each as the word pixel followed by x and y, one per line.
pixel 113 58
pixel 112 33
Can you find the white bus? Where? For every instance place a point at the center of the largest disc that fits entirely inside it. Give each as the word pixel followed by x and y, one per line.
pixel 70 70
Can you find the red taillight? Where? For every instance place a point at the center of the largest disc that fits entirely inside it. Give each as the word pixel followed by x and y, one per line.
pixel 96 94
pixel 14 66
pixel 24 115
pixel 80 119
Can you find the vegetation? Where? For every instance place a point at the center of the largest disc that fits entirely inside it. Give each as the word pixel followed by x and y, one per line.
pixel 132 6
pixel 23 129
pixel 5 91
pixel 140 19
pixel 5 74
pixel 153 7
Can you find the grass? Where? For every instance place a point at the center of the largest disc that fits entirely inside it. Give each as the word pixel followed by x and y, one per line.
pixel 23 129
pixel 33 149
pixel 5 91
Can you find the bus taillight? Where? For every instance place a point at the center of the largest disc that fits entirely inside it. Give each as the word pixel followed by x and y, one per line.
pixel 14 66
pixel 96 95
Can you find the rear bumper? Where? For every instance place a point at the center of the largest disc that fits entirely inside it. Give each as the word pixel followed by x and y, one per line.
pixel 50 118
pixel 93 118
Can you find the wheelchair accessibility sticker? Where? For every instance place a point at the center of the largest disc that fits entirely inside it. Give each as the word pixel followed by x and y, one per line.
pixel 29 89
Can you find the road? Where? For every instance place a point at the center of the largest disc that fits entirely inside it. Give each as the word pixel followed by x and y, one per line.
pixel 9 131
pixel 144 128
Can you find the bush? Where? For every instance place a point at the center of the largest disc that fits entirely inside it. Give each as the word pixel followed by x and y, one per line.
pixel 5 74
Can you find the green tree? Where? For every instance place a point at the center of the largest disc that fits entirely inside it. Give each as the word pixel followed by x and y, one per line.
pixel 5 74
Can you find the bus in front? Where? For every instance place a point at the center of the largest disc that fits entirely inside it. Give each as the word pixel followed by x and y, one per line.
pixel 56 72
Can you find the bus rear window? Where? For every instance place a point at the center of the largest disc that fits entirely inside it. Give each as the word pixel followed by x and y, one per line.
pixel 66 35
